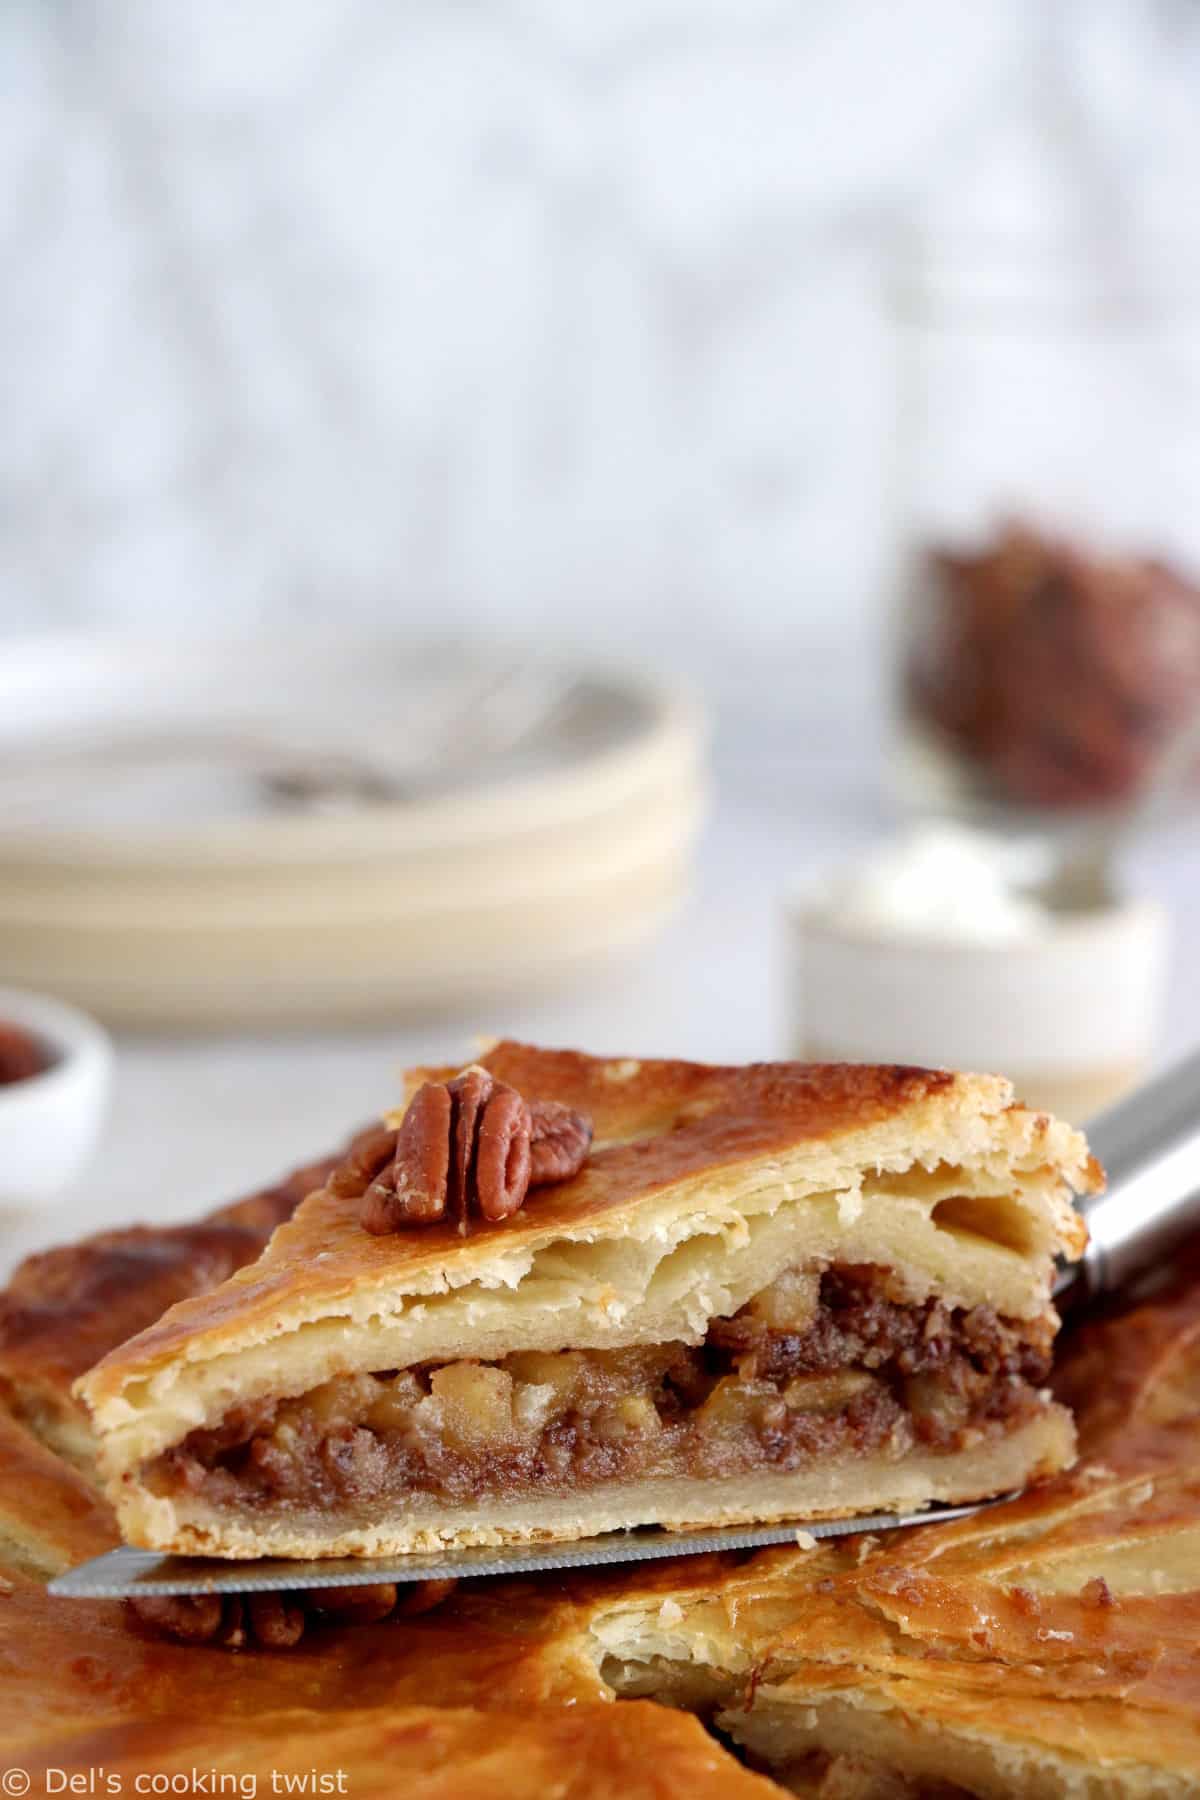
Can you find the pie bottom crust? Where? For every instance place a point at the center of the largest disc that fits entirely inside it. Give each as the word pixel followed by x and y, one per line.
pixel 837 1489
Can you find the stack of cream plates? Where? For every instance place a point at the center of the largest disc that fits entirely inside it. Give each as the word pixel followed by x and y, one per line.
pixel 266 833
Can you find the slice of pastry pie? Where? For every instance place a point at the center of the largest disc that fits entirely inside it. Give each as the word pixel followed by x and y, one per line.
pixel 784 1290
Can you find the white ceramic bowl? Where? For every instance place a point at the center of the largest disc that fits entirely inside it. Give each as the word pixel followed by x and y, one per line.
pixel 49 1124
pixel 1070 1015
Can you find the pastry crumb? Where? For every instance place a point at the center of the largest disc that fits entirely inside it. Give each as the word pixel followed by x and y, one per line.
pixel 849 1205
pixel 806 1540
pixel 621 1071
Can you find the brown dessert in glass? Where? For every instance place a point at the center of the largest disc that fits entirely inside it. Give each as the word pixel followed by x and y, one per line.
pixel 1058 676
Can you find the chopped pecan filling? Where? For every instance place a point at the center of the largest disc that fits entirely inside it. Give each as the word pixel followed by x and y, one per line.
pixel 818 1364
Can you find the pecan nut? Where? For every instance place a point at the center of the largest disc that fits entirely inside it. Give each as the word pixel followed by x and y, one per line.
pixel 411 1190
pixel 189 1618
pixel 469 1093
pixel 559 1142
pixel 276 1620
pixel 502 1154
pixel 462 1146
pixel 423 1596
pixel 470 1145
pixel 370 1152
pixel 355 1605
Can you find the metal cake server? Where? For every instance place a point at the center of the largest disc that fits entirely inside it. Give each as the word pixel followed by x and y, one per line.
pixel 1150 1145
pixel 126 1571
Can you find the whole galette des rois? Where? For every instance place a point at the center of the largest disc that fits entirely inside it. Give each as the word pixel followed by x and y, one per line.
pixel 782 1290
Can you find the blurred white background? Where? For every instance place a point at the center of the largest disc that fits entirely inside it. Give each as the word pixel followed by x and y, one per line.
pixel 552 322
pixel 543 318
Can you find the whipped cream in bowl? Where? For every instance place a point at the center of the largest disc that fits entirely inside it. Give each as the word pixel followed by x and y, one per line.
pixel 940 882
pixel 939 947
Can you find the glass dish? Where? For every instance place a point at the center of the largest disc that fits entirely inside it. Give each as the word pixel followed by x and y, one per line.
pixel 1048 556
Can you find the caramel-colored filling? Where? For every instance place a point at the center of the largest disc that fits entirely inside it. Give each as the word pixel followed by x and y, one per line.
pixel 822 1363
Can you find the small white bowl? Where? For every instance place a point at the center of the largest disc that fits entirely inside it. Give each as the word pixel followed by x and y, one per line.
pixel 1071 1015
pixel 49 1123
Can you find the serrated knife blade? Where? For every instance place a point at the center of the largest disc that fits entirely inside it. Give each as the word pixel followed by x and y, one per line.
pixel 123 1573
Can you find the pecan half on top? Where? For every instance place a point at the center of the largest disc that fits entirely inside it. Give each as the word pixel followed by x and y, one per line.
pixel 469 1146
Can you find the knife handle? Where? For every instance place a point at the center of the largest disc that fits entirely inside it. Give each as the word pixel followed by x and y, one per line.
pixel 1150 1145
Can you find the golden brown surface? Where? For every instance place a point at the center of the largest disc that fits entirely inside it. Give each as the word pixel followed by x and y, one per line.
pixel 637 1751
pixel 66 1308
pixel 69 1664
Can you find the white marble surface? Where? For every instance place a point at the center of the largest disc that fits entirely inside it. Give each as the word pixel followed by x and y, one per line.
pixel 195 1122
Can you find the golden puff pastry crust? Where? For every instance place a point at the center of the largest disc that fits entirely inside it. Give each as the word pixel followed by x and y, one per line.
pixel 704 1184
pixel 595 1752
